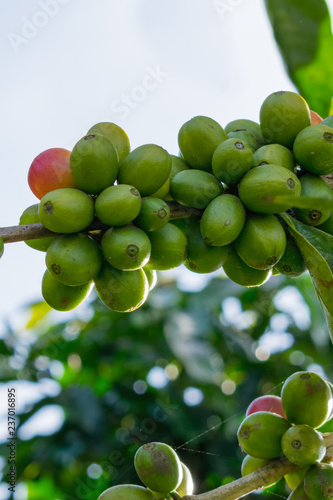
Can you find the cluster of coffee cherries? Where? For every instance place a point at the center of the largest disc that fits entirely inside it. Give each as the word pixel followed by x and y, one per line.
pixel 111 206
pixel 160 470
pixel 290 426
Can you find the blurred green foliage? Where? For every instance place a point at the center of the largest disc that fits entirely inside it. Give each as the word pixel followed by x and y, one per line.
pixel 127 379
pixel 303 32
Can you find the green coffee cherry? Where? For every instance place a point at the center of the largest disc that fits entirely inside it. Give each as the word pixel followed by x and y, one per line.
pixel 63 297
pixel 126 492
pixel 74 259
pixel 262 241
pixel 313 185
pixel 146 168
pixel 127 248
pixel 251 464
pixel 261 184
pixel 198 138
pixel 163 191
pixel 154 214
pixel 242 274
pixel 313 149
pixel 291 263
pixel 245 136
pixel 296 478
pixel 298 493
pixel 231 160
pixel 306 399
pixel 303 445
pixel 158 467
pixel 248 125
pixel 260 434
pixel 203 258
pixel 94 163
pixel 195 188
pixel 168 248
pixel 282 116
pixel 122 291
pixel 222 220
pixel 318 482
pixel 177 165
pixel 116 135
pixel 186 485
pixel 151 275
pixel 66 210
pixel 118 205
pixel 30 216
pixel 274 154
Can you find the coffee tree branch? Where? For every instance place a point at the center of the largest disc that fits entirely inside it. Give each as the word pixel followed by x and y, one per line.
pixel 25 232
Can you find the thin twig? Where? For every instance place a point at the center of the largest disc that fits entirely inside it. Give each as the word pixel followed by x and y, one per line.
pixel 25 232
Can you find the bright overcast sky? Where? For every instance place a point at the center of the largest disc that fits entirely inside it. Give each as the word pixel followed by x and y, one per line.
pixel 148 66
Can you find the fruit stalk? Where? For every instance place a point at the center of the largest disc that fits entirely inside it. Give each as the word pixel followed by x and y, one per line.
pixel 25 232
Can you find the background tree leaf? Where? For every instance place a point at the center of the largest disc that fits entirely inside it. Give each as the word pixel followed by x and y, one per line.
pixel 315 246
pixel 302 29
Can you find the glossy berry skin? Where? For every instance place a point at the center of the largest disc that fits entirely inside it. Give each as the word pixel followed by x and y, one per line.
pixel 30 216
pixel 306 399
pixel 294 479
pixel 94 163
pixel 63 297
pixel 186 486
pixel 251 464
pixel 126 492
pixel 303 445
pixel 168 248
pixel 74 259
pixel 158 467
pixel 269 403
pixel 126 248
pixel 122 291
pixel 259 435
pixel 66 210
pixel 49 171
pixel 154 214
pixel 282 116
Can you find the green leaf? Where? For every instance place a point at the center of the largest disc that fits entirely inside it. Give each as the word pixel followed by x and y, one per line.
pixel 302 29
pixel 316 248
pixel 303 202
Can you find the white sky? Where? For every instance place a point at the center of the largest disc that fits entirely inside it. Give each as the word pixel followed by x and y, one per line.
pixel 76 67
